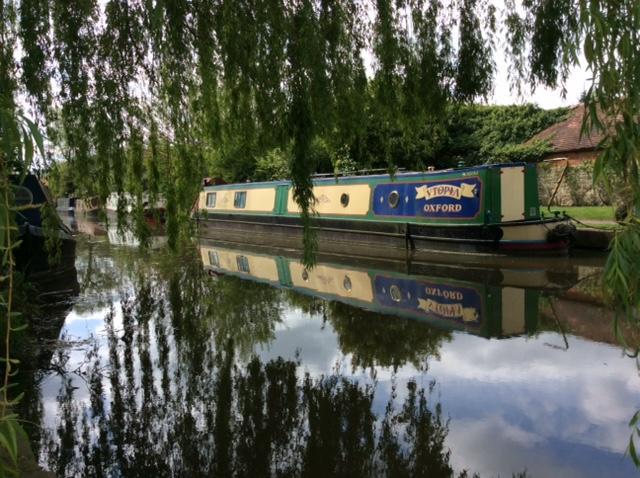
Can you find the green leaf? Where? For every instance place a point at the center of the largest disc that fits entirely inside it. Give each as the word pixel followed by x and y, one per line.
pixel 632 452
pixel 36 135
pixel 28 149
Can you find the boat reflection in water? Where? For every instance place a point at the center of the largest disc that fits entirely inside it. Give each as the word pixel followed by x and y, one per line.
pixel 486 302
pixel 122 236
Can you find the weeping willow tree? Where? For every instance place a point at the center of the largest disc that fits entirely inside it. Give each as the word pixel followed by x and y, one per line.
pixel 139 95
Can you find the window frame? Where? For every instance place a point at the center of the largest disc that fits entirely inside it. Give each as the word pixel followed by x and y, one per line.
pixel 242 264
pixel 214 259
pixel 240 199
pixel 215 199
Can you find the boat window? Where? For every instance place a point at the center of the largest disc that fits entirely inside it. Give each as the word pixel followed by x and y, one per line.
pixel 240 199
pixel 394 292
pixel 344 199
pixel 22 196
pixel 214 260
pixel 211 199
pixel 346 283
pixel 243 264
pixel 394 199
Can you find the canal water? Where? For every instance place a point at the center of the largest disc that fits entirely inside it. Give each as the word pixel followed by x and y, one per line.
pixel 228 360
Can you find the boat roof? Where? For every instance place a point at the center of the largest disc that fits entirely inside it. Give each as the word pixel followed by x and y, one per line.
pixel 402 175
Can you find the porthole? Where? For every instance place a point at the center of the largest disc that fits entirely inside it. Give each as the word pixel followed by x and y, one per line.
pixel 344 199
pixel 346 283
pixel 394 199
pixel 394 292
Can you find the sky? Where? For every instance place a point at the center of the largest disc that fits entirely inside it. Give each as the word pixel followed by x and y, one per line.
pixel 577 82
pixel 512 403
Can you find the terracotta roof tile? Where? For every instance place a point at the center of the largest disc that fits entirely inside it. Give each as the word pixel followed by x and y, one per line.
pixel 565 136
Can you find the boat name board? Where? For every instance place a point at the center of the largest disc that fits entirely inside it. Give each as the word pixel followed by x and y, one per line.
pixel 450 199
pixel 442 301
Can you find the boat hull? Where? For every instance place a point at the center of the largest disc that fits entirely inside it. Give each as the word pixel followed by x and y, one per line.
pixel 365 238
pixel 32 257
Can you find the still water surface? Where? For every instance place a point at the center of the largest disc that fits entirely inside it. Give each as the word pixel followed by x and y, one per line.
pixel 234 362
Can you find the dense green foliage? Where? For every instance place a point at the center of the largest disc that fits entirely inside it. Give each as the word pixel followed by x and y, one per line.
pixel 157 94
pixel 480 134
pixel 472 134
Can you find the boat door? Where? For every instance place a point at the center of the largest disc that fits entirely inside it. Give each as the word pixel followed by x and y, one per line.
pixel 282 197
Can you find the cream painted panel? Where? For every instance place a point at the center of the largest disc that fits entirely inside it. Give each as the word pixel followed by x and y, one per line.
pixel 258 200
pixel 204 255
pixel 513 311
pixel 328 199
pixel 530 232
pixel 512 193
pixel 260 267
pixel 333 280
pixel 525 278
pixel 263 268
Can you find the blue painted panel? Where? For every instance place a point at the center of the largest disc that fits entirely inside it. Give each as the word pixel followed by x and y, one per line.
pixel 459 198
pixel 462 305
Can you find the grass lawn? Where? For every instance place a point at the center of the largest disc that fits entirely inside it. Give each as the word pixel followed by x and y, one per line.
pixel 587 213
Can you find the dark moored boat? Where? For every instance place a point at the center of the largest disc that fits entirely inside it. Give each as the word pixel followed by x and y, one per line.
pixel 488 208
pixel 31 255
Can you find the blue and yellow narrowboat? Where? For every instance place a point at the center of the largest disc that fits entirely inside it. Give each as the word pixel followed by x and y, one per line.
pixel 488 208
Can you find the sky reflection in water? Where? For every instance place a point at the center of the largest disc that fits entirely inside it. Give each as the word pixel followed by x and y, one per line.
pixel 182 395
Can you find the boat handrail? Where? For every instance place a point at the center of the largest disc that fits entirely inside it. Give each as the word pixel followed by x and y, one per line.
pixel 359 172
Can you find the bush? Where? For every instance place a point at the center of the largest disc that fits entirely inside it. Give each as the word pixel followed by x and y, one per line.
pixel 520 153
pixel 273 165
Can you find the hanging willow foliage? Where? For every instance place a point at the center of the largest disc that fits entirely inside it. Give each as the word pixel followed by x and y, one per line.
pixel 139 95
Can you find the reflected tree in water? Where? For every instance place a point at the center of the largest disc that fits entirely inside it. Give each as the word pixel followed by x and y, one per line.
pixel 373 339
pixel 178 393
pixel 379 340
pixel 255 419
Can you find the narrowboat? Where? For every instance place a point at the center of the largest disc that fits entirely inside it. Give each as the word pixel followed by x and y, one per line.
pixel 74 205
pixel 128 203
pixel 489 208
pixel 31 255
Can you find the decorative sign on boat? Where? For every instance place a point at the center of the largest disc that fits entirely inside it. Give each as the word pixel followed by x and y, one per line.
pixel 444 199
pixel 437 300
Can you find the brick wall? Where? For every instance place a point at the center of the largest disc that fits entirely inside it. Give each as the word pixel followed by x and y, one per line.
pixel 576 188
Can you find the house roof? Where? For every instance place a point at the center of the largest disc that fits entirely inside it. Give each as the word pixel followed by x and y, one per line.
pixel 565 136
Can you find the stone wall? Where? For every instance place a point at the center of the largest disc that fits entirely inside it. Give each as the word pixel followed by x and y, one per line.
pixel 576 188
